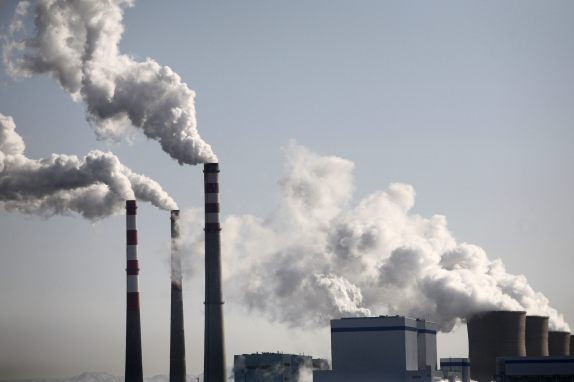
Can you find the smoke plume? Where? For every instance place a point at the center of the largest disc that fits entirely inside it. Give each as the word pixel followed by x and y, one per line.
pixel 318 256
pixel 77 43
pixel 94 186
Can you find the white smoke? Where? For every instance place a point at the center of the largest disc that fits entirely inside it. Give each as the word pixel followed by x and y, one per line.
pixel 317 257
pixel 77 43
pixel 94 186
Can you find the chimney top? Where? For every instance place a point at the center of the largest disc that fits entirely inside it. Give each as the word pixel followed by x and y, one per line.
pixel 131 207
pixel 210 167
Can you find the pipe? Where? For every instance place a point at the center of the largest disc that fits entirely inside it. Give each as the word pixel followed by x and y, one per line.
pixel 177 335
pixel 133 372
pixel 214 347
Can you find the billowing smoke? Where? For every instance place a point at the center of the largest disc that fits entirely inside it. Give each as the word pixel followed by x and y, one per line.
pixel 318 256
pixel 94 186
pixel 77 43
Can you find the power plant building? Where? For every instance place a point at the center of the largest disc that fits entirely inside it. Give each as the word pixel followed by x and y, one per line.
pixel 455 369
pixel 515 369
pixel 385 348
pixel 275 367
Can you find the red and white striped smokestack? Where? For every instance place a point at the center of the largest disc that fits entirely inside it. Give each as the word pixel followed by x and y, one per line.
pixel 133 372
pixel 214 349
pixel 177 337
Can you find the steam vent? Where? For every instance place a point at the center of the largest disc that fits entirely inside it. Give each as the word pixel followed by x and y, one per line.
pixel 494 334
pixel 214 347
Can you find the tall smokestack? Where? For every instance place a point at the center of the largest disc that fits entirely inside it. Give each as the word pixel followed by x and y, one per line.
pixel 558 343
pixel 134 371
pixel 494 334
pixel 536 336
pixel 214 349
pixel 177 337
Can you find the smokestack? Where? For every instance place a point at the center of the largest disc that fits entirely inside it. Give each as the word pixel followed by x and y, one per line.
pixel 536 336
pixel 177 336
pixel 134 371
pixel 494 334
pixel 214 349
pixel 558 343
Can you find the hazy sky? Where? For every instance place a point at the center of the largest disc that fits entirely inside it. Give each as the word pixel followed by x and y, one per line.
pixel 468 101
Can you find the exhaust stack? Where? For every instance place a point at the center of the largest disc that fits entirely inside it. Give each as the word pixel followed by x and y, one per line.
pixel 133 372
pixel 214 346
pixel 177 336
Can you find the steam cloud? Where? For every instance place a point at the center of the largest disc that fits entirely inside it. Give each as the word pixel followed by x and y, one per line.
pixel 94 186
pixel 76 43
pixel 317 256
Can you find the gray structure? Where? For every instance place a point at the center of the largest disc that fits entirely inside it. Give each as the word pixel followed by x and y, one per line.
pixel 385 348
pixel 571 345
pixel 275 367
pixel 494 334
pixel 455 369
pixel 214 345
pixel 177 335
pixel 536 369
pixel 536 336
pixel 134 371
pixel 558 343
pixel 426 344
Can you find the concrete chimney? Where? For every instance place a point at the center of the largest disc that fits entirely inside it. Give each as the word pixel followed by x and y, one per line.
pixel 536 336
pixel 214 350
pixel 494 334
pixel 177 336
pixel 558 343
pixel 133 372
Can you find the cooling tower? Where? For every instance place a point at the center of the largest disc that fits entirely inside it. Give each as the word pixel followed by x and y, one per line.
pixel 177 337
pixel 494 334
pixel 134 371
pixel 214 348
pixel 558 343
pixel 536 336
pixel 572 345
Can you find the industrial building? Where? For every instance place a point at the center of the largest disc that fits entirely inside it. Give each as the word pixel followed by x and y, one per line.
pixel 536 369
pixel 510 346
pixel 455 369
pixel 385 348
pixel 275 367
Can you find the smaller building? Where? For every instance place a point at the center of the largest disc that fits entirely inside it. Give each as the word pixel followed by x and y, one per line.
pixel 276 367
pixel 455 369
pixel 536 369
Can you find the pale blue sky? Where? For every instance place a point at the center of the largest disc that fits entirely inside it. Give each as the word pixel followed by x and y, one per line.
pixel 468 101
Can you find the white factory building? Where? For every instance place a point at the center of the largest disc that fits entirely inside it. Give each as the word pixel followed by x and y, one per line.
pixel 385 348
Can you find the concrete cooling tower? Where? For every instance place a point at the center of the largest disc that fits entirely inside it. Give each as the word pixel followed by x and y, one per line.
pixel 494 334
pixel 536 336
pixel 558 343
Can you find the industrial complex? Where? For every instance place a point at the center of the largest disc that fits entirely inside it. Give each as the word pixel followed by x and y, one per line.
pixel 503 345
